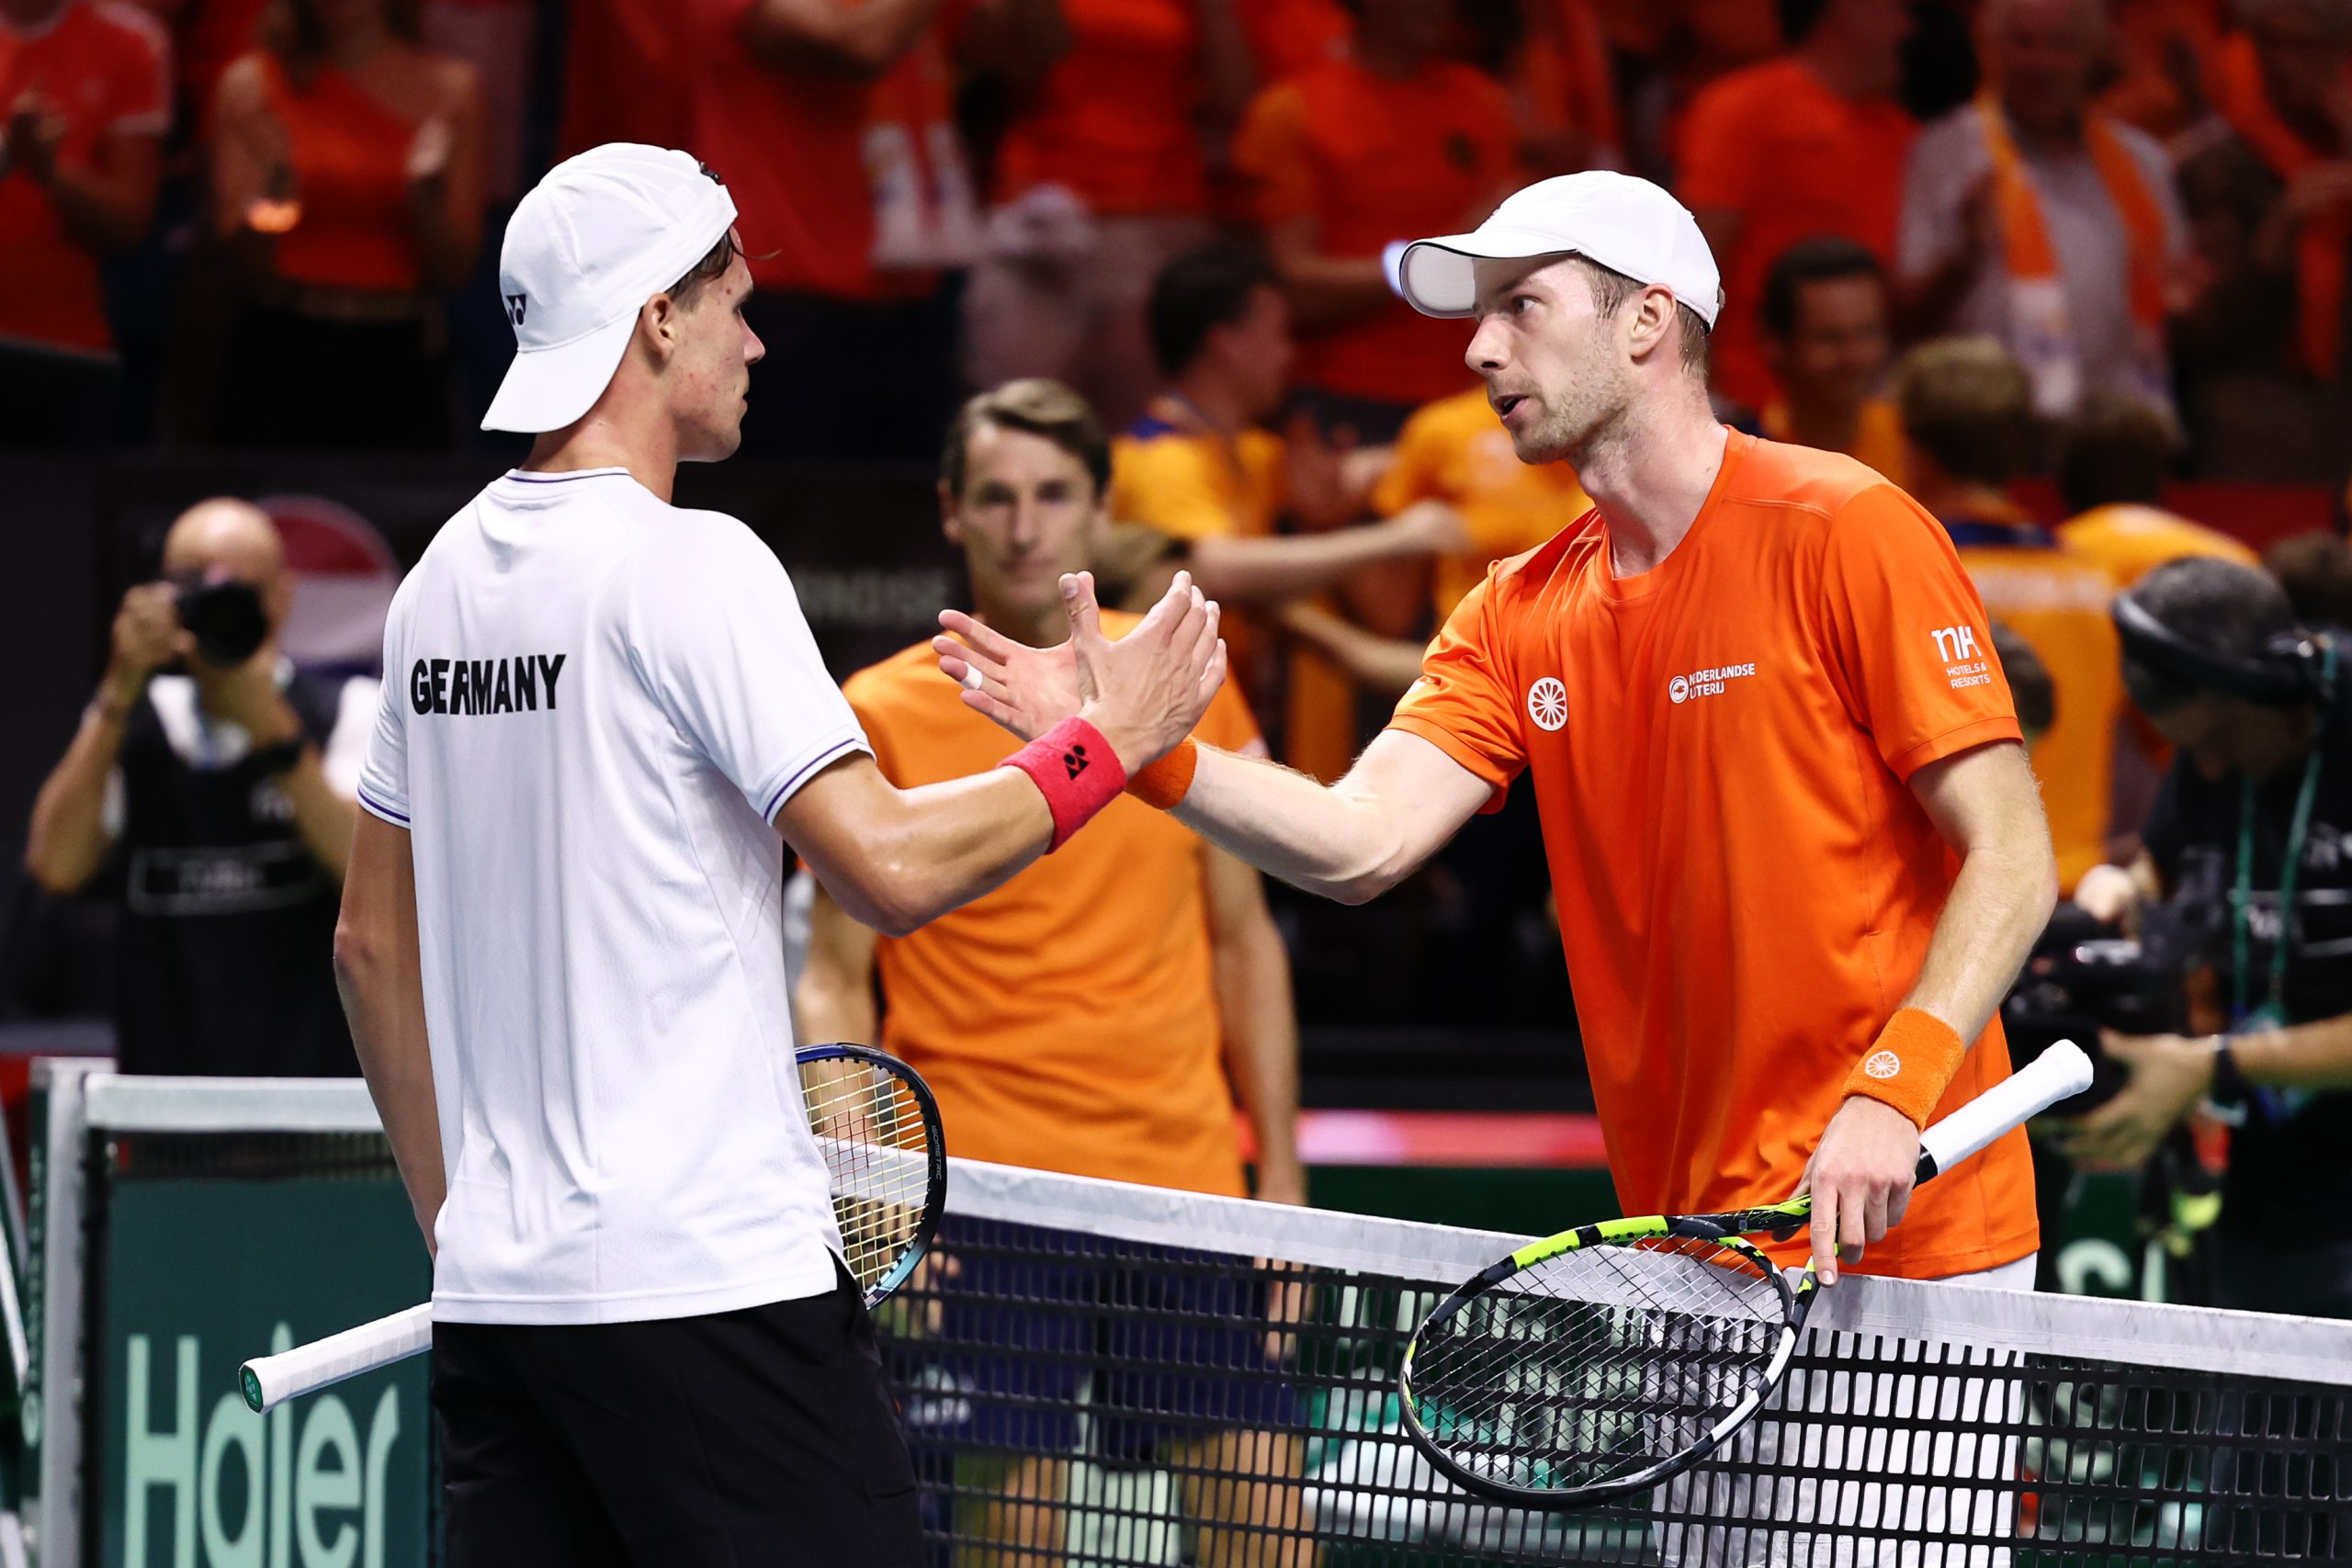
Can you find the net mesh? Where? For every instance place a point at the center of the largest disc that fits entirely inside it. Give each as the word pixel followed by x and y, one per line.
pixel 1595 1365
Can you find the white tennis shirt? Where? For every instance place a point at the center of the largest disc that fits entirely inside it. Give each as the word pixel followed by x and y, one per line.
pixel 594 704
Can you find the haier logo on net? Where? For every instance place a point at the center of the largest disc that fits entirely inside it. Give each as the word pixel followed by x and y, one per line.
pixel 301 1487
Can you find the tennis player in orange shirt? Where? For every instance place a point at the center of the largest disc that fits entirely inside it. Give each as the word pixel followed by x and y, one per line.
pixel 1798 854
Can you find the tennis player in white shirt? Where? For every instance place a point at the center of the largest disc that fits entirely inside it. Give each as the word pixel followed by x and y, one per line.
pixel 561 947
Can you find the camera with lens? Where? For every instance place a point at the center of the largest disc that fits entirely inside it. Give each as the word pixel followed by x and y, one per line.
pixel 225 616
pixel 2081 977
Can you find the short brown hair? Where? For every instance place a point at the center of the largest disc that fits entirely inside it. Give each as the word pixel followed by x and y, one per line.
pixel 2315 570
pixel 2030 688
pixel 1968 403
pixel 1037 406
pixel 2114 450
pixel 1611 288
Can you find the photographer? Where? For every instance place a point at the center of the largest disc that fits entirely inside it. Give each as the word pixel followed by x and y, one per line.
pixel 228 778
pixel 2262 787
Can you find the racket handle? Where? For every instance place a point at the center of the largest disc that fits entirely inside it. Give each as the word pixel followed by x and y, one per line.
pixel 269 1381
pixel 2060 1073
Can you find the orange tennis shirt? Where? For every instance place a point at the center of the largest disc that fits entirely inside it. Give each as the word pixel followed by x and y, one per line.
pixel 1720 748
pixel 1067 1020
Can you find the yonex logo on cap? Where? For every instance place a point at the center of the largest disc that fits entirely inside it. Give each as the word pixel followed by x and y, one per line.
pixel 516 306
pixel 1547 704
pixel 1883 1065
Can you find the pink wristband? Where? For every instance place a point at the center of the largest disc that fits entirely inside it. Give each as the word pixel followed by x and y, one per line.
pixel 1076 770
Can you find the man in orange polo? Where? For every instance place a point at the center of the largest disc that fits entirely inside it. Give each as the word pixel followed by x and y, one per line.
pixel 1101 1014
pixel 1797 850
pixel 1791 828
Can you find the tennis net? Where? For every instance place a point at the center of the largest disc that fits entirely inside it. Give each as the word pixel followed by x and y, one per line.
pixel 1104 1374
pixel 1125 1377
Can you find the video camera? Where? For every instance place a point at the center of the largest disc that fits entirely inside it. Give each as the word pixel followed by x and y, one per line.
pixel 225 616
pixel 2081 977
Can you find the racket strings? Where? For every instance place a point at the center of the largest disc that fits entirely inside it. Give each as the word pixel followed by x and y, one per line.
pixel 876 1146
pixel 1593 1365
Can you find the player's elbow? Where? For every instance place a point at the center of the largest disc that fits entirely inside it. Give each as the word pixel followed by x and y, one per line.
pixel 895 899
pixel 358 956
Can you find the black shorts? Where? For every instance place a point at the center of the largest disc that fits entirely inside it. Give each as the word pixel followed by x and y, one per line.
pixel 763 1437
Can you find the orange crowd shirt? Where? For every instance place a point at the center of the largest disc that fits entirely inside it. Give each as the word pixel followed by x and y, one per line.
pixel 1375 160
pixel 105 69
pixel 2127 541
pixel 1794 161
pixel 1456 451
pixel 1117 118
pixel 1720 750
pixel 1878 434
pixel 2058 602
pixel 1068 1020
pixel 791 146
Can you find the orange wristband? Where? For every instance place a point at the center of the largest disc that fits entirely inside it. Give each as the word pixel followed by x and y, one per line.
pixel 1910 1065
pixel 1163 784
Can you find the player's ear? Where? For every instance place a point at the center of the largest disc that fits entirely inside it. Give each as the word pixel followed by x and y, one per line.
pixel 657 327
pixel 950 524
pixel 1653 322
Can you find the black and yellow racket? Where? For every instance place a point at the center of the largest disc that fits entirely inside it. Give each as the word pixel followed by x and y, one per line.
pixel 1599 1362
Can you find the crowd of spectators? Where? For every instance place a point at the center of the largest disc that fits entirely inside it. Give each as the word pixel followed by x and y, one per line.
pixel 2100 243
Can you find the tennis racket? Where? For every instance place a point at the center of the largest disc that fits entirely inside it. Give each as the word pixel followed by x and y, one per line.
pixel 877 1127
pixel 1595 1364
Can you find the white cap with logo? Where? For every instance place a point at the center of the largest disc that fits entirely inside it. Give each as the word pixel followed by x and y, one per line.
pixel 587 247
pixel 1623 223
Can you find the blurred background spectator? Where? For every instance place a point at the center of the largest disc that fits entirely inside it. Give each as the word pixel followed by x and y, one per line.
pixel 86 89
pixel 1826 338
pixel 346 172
pixel 2035 217
pixel 1806 145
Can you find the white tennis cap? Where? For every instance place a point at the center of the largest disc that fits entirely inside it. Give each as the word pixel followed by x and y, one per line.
pixel 1625 223
pixel 587 247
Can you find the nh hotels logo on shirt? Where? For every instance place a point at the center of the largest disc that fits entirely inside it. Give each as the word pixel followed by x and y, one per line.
pixel 1706 682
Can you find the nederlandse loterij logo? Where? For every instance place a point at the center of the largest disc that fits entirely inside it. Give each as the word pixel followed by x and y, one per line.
pixel 1708 682
pixel 1883 1065
pixel 1547 704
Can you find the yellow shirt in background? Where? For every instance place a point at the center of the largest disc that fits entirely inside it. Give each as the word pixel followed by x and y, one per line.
pixel 1454 450
pixel 2127 541
pixel 2057 602
pixel 1878 435
pixel 1068 1020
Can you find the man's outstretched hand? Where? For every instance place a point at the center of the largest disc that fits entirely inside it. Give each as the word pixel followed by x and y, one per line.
pixel 1144 692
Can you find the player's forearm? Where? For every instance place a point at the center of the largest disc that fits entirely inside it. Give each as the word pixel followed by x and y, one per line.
pixel 1262 1047
pixel 943 846
pixel 1324 838
pixel 1999 904
pixel 2316 1055
pixel 67 838
pixel 380 977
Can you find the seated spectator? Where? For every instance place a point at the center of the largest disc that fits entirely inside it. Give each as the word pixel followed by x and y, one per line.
pixel 1809 144
pixel 228 780
pixel 1826 338
pixel 346 165
pixel 1967 409
pixel 2112 460
pixel 2316 571
pixel 86 89
pixel 2030 686
pixel 1388 142
pixel 1102 178
pixel 778 98
pixel 2034 218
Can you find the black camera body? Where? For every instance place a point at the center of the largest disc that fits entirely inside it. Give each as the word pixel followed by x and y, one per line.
pixel 227 619
pixel 2081 978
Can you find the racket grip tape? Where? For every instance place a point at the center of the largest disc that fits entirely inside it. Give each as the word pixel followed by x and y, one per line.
pixel 271 1381
pixel 2060 1073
